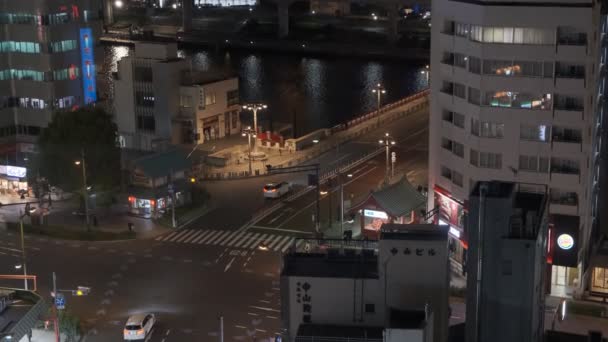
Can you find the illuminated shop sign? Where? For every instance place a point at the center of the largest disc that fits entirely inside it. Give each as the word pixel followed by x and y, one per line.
pixel 565 241
pixel 453 231
pixel 88 66
pixel 375 214
pixel 13 171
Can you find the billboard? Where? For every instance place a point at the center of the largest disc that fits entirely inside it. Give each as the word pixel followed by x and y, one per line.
pixel 88 65
pixel 563 240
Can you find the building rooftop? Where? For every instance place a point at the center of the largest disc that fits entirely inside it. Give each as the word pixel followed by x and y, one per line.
pixel 338 333
pixel 191 78
pixel 395 231
pixel 332 264
pixel 397 199
pixel 407 319
pixel 162 163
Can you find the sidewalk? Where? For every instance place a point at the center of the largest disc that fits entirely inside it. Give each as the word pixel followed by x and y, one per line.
pixel 234 149
pixel 41 335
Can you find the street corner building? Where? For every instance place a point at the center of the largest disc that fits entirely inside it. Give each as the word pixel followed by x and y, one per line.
pixel 368 290
pixel 49 52
pixel 518 99
pixel 160 101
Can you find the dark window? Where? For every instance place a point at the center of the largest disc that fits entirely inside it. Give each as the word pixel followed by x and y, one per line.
pixel 146 123
pixel 232 97
pixel 370 308
pixel 142 74
pixel 507 267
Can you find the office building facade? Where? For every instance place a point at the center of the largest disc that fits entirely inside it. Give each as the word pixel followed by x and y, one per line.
pixel 512 100
pixel 48 54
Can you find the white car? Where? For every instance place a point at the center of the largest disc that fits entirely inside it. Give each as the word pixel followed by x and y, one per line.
pixel 139 326
pixel 276 190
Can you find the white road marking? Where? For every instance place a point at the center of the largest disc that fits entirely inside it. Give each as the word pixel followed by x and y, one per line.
pixel 263 308
pixel 190 233
pixel 285 239
pixel 240 327
pixel 252 314
pixel 218 237
pixel 223 241
pixel 245 238
pixel 272 317
pixel 256 242
pixel 229 265
pixel 195 235
pixel 237 237
pixel 274 240
pixel 173 235
pixel 210 236
pixel 264 301
pixel 288 245
pixel 283 212
pixel 200 237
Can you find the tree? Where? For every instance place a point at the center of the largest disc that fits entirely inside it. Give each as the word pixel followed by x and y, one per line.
pixel 89 130
pixel 69 325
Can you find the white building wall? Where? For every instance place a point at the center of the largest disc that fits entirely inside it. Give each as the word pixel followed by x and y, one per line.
pixel 331 301
pixel 510 146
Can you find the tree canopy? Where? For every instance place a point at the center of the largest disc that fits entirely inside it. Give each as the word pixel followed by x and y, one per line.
pixel 90 130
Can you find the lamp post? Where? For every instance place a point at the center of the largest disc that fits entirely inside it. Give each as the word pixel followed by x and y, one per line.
pixel 387 142
pixel 23 259
pixel 426 72
pixel 254 107
pixel 84 187
pixel 379 91
pixel 350 175
pixel 248 132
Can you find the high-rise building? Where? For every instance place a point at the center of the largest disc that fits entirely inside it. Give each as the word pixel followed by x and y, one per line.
pixel 507 229
pixel 47 63
pixel 512 88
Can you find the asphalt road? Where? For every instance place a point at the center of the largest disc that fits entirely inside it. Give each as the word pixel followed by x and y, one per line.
pixel 187 287
pixel 238 200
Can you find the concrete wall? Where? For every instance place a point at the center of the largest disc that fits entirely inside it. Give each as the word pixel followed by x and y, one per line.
pixel 331 301
pixel 409 283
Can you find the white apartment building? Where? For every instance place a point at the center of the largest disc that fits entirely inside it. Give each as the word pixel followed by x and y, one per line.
pixel 511 100
pixel 48 51
pixel 159 100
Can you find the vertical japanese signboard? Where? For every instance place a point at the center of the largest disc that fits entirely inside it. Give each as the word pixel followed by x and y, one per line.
pixel 88 65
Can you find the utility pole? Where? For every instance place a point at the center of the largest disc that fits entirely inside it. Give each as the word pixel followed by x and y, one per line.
pixel 23 260
pixel 379 90
pixel 55 318
pixel 172 191
pixel 387 142
pixel 221 328
pixel 85 192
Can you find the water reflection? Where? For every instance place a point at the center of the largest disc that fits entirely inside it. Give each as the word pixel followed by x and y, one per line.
pixel 308 92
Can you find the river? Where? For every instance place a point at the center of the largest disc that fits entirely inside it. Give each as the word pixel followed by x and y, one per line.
pixel 317 92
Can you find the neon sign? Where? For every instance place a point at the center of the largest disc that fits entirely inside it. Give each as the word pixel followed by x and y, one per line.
pixel 375 214
pixel 88 66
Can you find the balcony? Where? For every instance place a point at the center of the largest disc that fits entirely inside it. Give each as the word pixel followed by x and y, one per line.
pixel 564 203
pixel 565 175
pixel 566 147
pixel 572 115
pixel 569 83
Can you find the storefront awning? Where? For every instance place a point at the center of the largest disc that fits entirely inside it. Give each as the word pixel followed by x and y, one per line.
pixel 397 199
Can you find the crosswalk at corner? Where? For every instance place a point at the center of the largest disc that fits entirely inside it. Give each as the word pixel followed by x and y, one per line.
pixel 235 239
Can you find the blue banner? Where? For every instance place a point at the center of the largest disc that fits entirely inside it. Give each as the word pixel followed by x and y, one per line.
pixel 88 66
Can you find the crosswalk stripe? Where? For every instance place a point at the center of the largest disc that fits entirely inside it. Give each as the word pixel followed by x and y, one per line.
pixel 218 238
pixel 213 234
pixel 275 239
pixel 224 241
pixel 299 243
pixel 178 235
pixel 170 235
pixel 256 242
pixel 186 236
pixel 200 237
pixel 158 238
pixel 245 238
pixel 278 246
pixel 237 237
pixel 193 236
pixel 289 244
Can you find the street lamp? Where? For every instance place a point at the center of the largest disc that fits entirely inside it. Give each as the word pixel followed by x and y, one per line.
pixel 426 72
pixel 118 3
pixel 387 142
pixel 379 90
pixel 84 187
pixel 350 175
pixel 254 107
pixel 248 132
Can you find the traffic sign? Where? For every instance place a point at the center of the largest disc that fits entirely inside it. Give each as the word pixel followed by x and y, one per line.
pixel 59 301
pixel 393 157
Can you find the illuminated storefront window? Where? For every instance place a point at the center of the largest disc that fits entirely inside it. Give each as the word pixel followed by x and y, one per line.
pixel 599 280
